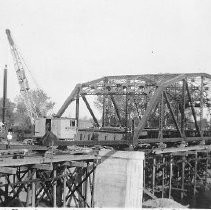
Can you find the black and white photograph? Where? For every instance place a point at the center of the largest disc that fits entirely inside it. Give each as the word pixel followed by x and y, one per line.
pixel 105 104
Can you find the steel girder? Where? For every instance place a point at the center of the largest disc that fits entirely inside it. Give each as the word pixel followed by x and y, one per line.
pixel 147 90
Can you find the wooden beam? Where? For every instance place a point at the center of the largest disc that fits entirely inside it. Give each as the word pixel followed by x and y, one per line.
pixel 116 142
pixel 179 149
pixel 8 170
pixel 187 139
pixel 54 189
pixel 46 167
pixel 75 164
pixel 64 187
pixel 20 147
pixel 90 110
pixel 43 160
pixel 149 193
pixel 34 176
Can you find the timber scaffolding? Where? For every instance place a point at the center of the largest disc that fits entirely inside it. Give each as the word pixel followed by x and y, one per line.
pixel 69 180
pixel 181 174
pixel 48 179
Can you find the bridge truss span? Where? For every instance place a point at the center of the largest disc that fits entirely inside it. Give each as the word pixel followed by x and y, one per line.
pixel 145 109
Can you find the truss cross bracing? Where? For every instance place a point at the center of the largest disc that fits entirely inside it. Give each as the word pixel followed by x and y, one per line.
pixel 57 181
pixel 140 109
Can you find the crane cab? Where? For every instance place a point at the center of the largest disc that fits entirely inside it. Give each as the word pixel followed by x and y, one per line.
pixel 63 128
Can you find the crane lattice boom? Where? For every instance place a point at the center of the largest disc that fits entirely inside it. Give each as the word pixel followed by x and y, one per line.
pixel 22 80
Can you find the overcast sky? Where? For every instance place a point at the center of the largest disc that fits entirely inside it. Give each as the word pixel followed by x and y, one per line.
pixel 65 42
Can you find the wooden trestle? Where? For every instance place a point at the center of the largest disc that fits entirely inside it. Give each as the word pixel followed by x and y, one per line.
pixel 59 180
pixel 178 173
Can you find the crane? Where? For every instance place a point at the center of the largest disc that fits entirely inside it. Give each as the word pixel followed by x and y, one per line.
pixel 64 128
pixel 22 79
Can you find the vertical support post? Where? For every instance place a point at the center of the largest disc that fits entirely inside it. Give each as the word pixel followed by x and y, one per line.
pixel 64 188
pixel 103 115
pixel 93 182
pixel 54 188
pixel 80 174
pixel 14 181
pixel 77 110
pixel 183 176
pixel 201 105
pixel 183 109
pixel 104 101
pixel 195 173
pixel 206 168
pixel 34 189
pixel 6 188
pixel 153 175
pixel 14 178
pixel 28 197
pixel 126 109
pixel 144 172
pixel 85 187
pixel 4 94
pixel 170 175
pixel 161 110
pixel 163 177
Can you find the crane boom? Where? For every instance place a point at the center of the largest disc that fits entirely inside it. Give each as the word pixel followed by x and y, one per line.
pixel 22 80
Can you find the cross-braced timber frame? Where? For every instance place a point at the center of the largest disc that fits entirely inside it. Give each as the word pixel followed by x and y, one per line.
pixel 172 98
pixel 180 173
pixel 57 181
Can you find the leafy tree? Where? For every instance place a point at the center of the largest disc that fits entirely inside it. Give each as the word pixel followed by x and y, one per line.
pixel 42 103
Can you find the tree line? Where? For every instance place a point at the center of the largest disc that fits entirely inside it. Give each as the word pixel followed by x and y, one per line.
pixel 16 115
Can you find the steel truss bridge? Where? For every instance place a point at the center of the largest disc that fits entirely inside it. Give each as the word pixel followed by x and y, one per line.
pixel 179 103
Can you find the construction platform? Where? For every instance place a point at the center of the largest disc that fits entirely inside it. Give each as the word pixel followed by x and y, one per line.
pixel 127 178
pixel 182 174
pixel 48 179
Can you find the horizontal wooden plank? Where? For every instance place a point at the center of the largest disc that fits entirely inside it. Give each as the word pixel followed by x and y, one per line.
pixel 47 167
pixel 75 164
pixel 40 159
pixel 154 140
pixel 8 170
pixel 29 147
pixel 91 143
pixel 182 149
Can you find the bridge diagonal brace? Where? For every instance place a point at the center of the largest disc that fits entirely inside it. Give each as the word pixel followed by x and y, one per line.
pixel 192 108
pixel 82 181
pixel 136 106
pixel 116 108
pixel 90 110
pixel 172 113
pixel 152 104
